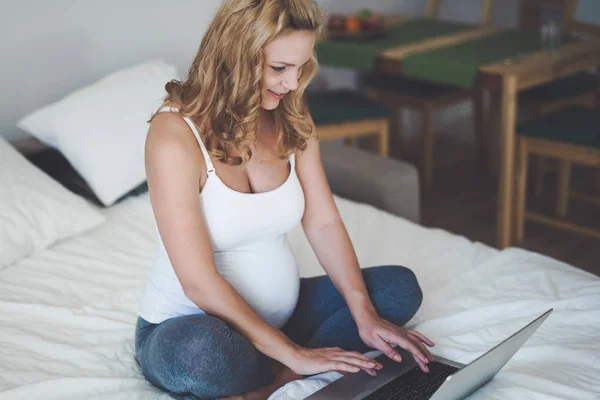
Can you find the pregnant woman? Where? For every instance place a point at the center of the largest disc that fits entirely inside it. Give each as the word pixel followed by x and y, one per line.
pixel 233 164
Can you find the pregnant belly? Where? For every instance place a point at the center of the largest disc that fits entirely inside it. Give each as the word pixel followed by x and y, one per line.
pixel 265 274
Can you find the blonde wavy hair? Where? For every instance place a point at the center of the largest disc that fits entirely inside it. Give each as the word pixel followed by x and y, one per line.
pixel 224 83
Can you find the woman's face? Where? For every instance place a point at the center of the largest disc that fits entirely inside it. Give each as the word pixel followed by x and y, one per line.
pixel 284 59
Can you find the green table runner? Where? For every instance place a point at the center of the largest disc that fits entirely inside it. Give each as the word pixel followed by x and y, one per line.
pixel 458 64
pixel 361 53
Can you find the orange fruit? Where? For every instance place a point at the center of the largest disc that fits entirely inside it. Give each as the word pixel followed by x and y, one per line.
pixel 352 24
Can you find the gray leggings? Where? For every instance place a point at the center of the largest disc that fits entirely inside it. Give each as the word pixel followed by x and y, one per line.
pixel 200 356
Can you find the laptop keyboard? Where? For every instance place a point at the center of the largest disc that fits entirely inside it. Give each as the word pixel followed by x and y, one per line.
pixel 415 384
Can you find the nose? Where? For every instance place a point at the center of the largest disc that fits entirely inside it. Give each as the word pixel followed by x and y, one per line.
pixel 290 81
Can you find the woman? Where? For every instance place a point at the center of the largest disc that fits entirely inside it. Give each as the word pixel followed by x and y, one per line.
pixel 224 312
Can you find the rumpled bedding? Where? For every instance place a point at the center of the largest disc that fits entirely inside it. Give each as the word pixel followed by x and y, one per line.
pixel 67 313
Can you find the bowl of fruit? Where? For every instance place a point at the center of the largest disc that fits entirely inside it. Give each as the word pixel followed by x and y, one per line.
pixel 362 24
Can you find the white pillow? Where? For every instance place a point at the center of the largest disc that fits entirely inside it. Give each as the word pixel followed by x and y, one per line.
pixel 101 128
pixel 35 210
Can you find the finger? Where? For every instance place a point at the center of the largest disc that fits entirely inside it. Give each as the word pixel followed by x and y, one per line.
pixel 362 359
pixel 358 355
pixel 370 363
pixel 423 349
pixel 422 337
pixel 366 358
pixel 408 345
pixel 421 364
pixel 370 371
pixel 342 366
pixel 351 359
pixel 386 349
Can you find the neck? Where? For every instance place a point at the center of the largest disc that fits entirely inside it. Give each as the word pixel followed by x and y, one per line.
pixel 264 115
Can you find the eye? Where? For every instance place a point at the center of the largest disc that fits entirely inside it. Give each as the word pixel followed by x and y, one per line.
pixel 277 69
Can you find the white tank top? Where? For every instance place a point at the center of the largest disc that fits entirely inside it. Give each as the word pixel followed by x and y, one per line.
pixel 248 236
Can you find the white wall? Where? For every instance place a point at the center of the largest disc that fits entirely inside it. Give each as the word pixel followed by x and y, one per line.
pixel 588 11
pixel 50 48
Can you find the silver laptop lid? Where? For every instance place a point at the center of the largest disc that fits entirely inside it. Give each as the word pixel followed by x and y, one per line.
pixel 483 369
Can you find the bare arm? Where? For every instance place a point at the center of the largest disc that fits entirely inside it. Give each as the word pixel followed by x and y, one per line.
pixel 330 241
pixel 175 168
pixel 327 234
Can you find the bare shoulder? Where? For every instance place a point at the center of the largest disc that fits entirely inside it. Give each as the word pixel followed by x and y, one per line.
pixel 312 144
pixel 171 149
pixel 171 142
pixel 311 152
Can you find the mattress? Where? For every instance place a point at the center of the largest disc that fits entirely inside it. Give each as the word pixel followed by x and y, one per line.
pixel 67 313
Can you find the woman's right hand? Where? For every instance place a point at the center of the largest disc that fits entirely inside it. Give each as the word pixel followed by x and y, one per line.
pixel 314 361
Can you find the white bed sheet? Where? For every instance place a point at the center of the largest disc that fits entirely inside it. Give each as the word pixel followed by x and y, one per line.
pixel 67 314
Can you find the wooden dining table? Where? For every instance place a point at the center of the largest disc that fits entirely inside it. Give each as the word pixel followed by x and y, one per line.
pixel 506 78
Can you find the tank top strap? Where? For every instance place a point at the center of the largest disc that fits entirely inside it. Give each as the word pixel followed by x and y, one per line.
pixel 209 165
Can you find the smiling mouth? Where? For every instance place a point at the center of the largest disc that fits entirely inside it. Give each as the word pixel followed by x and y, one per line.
pixel 275 94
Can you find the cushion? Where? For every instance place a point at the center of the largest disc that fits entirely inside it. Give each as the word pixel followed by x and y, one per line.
pixel 411 87
pixel 101 128
pixel 574 85
pixel 575 125
pixel 53 163
pixel 35 211
pixel 365 177
pixel 329 107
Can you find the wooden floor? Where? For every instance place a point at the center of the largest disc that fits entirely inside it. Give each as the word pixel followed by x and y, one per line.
pixel 463 201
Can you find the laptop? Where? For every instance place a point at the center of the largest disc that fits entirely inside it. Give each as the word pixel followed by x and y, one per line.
pixel 446 380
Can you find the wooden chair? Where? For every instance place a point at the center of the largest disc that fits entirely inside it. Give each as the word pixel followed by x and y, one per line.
pixel 346 114
pixel 426 98
pixel 578 89
pixel 572 135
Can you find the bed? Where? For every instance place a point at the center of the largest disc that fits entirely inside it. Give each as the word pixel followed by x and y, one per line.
pixel 68 311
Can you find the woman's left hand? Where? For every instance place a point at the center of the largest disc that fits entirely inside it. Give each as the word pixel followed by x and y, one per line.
pixel 380 334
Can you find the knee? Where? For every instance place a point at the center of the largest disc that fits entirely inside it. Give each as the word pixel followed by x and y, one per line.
pixel 180 347
pixel 205 348
pixel 399 279
pixel 203 340
pixel 215 356
pixel 205 357
pixel 403 282
pixel 398 292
